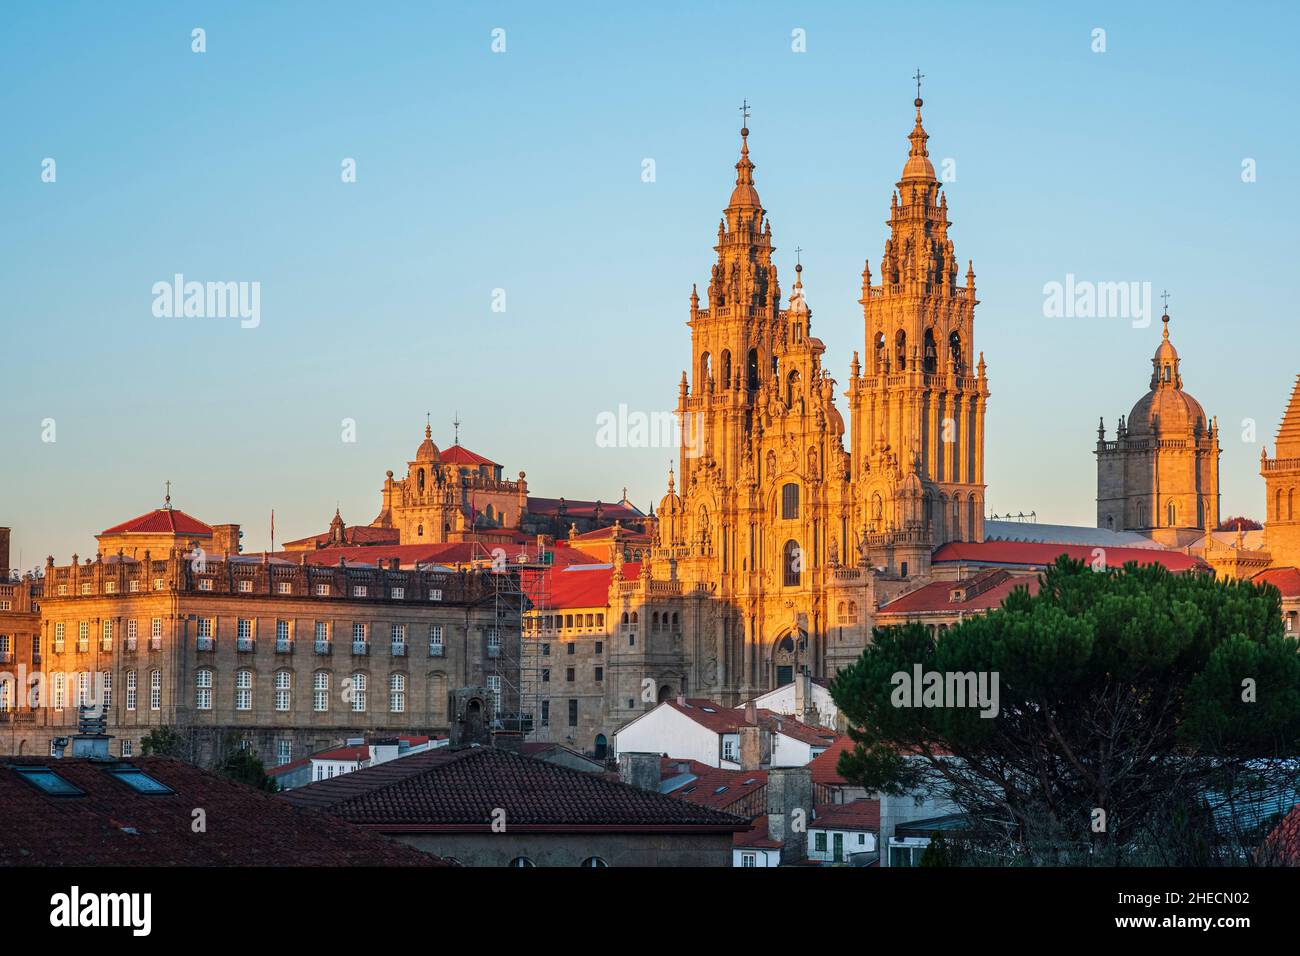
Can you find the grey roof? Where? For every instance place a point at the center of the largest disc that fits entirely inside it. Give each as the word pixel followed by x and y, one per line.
pixel 1065 534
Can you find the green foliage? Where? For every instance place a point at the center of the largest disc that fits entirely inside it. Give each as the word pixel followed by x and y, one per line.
pixel 166 742
pixel 242 765
pixel 1120 690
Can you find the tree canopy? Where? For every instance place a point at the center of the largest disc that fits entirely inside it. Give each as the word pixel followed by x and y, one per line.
pixel 1132 703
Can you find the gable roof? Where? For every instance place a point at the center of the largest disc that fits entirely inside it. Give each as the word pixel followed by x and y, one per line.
pixel 161 521
pixel 708 786
pixel 113 825
pixel 585 585
pixel 980 592
pixel 457 789
pixel 1286 580
pixel 823 766
pixel 460 455
pixel 573 508
pixel 860 814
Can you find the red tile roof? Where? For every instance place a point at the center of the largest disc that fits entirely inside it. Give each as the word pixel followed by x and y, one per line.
pixel 113 825
pixel 1286 580
pixel 460 455
pixel 161 521
pixel 861 814
pixel 980 592
pixel 824 764
pixel 1041 554
pixel 343 753
pixel 1282 846
pixel 756 836
pixel 457 789
pixel 735 785
pixel 585 587
pixel 726 720
pixel 453 552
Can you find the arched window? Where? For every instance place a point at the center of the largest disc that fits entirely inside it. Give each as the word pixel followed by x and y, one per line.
pixel 636 619
pixel 1173 515
pixel 954 349
pixel 1142 514
pixel 320 691
pixel 726 368
pixel 359 683
pixel 900 351
pixel 751 370
pixel 878 361
pixel 522 862
pixel 419 532
pixel 283 690
pixel 419 480
pixel 654 621
pixel 792 561
pixel 930 353
pixel 676 624
pixel 397 693
pixel 203 689
pixel 956 518
pixel 1277 505
pixel 791 387
pixel 790 501
pixel 970 518
pixel 601 747
pixel 243 689
pixel 594 861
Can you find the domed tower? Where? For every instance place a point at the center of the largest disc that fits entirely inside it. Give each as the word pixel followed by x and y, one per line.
pixel 1282 479
pixel 1160 475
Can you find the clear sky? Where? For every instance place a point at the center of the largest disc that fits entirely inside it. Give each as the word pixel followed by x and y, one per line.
pixel 522 171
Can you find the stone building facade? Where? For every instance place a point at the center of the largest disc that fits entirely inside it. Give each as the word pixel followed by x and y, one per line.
pixel 1160 474
pixel 287 657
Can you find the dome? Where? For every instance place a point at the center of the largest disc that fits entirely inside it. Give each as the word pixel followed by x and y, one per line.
pixel 427 451
pixel 1175 410
pixel 918 165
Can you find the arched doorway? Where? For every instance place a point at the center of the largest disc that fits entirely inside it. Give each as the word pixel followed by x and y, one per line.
pixel 785 658
pixel 602 747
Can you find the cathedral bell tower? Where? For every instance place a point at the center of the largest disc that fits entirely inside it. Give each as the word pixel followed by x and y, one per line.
pixel 918 401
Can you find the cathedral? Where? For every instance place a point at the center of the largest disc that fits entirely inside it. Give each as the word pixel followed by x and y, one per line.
pixel 796 530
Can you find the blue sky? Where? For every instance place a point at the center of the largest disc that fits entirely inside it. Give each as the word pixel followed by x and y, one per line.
pixel 522 171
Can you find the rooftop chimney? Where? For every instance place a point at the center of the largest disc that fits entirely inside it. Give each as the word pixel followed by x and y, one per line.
pixel 91 740
pixel 751 713
pixel 789 810
pixel 640 770
pixel 755 747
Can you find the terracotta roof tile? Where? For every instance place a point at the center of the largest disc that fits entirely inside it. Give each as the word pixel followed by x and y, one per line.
pixel 113 825
pixel 457 789
pixel 1041 554
pixel 1286 580
pixel 161 521
pixel 861 814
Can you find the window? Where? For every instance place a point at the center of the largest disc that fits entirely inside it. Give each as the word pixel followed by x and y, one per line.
pixel 139 781
pixel 600 645
pixel 522 862
pixel 106 635
pixel 205 584
pixel 819 842
pixel 281 635
pixel 358 693
pixel 202 690
pixel 283 587
pixel 493 642
pixel 399 593
pixel 283 690
pixel 573 713
pixel 245 587
pixel 320 697
pixel 83 689
pixel 790 501
pixel 131 690
pixel 748 859
pixel 60 632
pixel 792 570
pixel 243 689
pixel 60 692
pixel 283 752
pixel 244 634
pixel 322 633
pixel 47 781
pixel 546 713
pixel 83 636
pixel 546 671
pixel 435 594
pixel 435 640
pixel 205 627
pixel 568 674
pixel 397 693
pixel 132 634
pixel 600 674
pixel 358 590
pixel 358 633
pixel 126 748
pixel 570 648
pixel 399 634
pixel 106 689
pixel 155 689
pixel 494 685
pixel 322 590
pixel 5 703
pixel 155 630
pixel 594 862
pixel 159 584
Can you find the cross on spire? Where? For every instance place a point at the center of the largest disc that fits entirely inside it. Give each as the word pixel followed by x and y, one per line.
pixel 455 424
pixel 918 77
pixel 1165 295
pixel 744 112
pixel 797 251
pixel 167 501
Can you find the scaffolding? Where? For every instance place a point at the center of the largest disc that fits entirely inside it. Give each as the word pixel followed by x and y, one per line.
pixel 520 581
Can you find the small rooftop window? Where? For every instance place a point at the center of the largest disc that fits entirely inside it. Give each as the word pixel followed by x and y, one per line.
pixel 138 780
pixel 722 789
pixel 47 781
pixel 708 710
